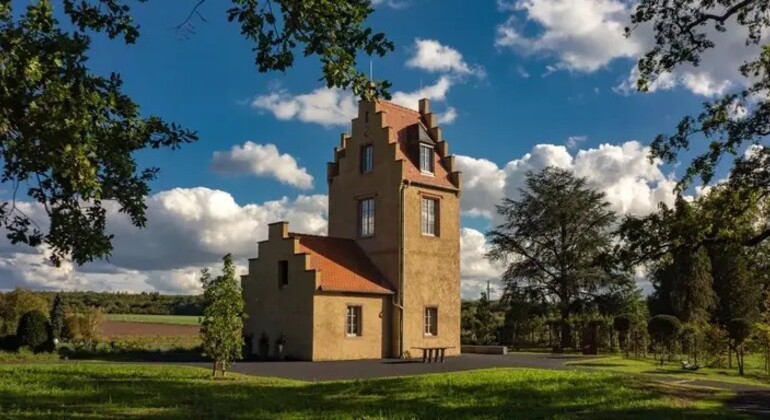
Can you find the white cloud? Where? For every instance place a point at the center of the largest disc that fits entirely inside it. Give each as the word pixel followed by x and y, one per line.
pixel 475 269
pixel 187 229
pixel 327 107
pixel 261 160
pixel 334 107
pixel 587 35
pixel 432 56
pixel 448 116
pixel 434 92
pixel 584 35
pixel 623 172
pixel 574 141
pixel 393 4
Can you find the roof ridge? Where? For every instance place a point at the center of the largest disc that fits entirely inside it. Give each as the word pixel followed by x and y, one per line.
pixel 400 106
pixel 310 235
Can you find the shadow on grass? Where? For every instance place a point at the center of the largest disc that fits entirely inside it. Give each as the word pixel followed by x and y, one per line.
pixel 160 356
pixel 106 391
pixel 597 364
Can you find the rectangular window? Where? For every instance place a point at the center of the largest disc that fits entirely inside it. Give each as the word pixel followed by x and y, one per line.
pixel 431 321
pixel 366 214
pixel 429 216
pixel 366 158
pixel 426 159
pixel 353 321
pixel 283 273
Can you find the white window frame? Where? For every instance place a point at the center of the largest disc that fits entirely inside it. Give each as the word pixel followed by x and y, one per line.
pixel 429 216
pixel 366 212
pixel 353 318
pixel 426 159
pixel 430 317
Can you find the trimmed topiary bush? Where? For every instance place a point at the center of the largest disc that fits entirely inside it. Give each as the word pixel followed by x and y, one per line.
pixel 739 330
pixel 663 330
pixel 34 331
pixel 622 324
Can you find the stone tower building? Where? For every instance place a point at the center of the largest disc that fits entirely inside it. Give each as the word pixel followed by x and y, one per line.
pixel 387 277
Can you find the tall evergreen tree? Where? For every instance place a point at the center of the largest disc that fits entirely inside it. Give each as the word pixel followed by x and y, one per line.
pixel 556 238
pixel 57 317
pixel 223 316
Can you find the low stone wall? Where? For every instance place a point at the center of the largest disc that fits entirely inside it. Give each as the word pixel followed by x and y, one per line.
pixel 484 349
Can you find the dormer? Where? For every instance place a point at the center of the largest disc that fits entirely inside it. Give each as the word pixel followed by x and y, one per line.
pixel 421 148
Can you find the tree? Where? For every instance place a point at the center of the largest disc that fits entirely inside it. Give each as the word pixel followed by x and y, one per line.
pixel 670 242
pixel 622 324
pixel 663 329
pixel 68 137
pixel 90 326
pixel 739 330
pixel 17 303
pixel 223 316
pixel 57 316
pixel 486 324
pixel 33 331
pixel 684 30
pixel 556 238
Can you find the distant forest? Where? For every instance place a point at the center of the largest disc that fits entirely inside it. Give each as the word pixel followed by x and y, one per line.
pixel 151 303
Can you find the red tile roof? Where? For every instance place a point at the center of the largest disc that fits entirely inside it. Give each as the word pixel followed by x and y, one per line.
pixel 399 118
pixel 343 265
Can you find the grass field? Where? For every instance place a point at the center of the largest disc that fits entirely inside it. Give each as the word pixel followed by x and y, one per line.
pixel 100 390
pixel 754 373
pixel 155 319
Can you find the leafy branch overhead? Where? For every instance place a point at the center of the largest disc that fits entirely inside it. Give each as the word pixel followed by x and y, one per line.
pixel 68 136
pixel 731 124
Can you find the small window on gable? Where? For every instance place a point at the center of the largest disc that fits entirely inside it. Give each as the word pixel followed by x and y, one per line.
pixel 431 321
pixel 366 116
pixel 429 216
pixel 353 321
pixel 426 159
pixel 283 273
pixel 366 217
pixel 367 156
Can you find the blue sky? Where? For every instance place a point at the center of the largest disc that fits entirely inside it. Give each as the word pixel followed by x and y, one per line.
pixel 517 74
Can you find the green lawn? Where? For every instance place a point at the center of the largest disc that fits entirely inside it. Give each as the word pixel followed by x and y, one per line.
pixel 100 390
pixel 155 319
pixel 754 373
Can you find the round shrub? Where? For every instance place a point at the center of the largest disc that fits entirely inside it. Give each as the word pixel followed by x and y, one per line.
pixel 664 328
pixel 33 331
pixel 621 324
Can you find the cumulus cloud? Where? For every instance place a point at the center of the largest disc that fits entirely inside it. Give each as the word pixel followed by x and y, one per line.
pixel 187 229
pixel 335 107
pixel 586 35
pixel 261 160
pixel 632 184
pixel 475 269
pixel 328 107
pixel 448 116
pixel 432 56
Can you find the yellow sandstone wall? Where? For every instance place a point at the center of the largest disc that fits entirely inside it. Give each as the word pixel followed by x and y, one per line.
pixel 432 272
pixel 330 339
pixel 276 310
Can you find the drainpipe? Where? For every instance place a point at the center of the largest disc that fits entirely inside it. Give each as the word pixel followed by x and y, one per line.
pixel 398 302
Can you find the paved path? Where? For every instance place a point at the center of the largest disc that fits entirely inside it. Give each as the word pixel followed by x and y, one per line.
pixel 362 369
